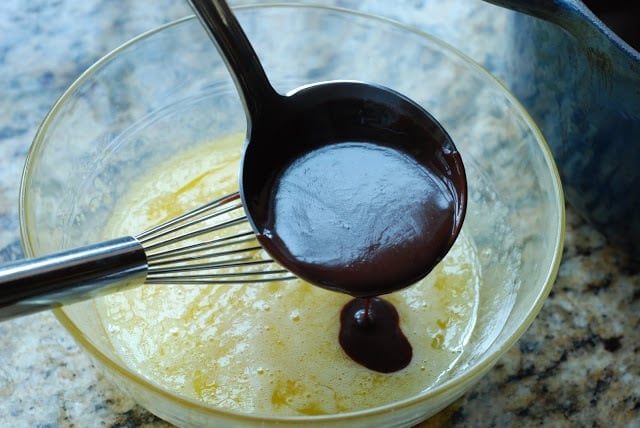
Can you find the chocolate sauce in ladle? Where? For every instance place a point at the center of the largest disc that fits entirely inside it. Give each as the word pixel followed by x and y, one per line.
pixel 351 186
pixel 363 219
pixel 360 218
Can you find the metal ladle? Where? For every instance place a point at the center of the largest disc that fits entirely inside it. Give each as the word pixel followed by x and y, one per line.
pixel 285 129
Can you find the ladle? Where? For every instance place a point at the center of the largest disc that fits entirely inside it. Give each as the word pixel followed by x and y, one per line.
pixel 351 186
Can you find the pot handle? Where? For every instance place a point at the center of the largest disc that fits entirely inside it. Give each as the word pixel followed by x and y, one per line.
pixel 606 50
pixel 572 15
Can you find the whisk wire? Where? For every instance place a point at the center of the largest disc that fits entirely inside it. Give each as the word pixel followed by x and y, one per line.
pixel 214 240
pixel 246 237
pixel 185 256
pixel 190 235
pixel 240 262
pixel 196 216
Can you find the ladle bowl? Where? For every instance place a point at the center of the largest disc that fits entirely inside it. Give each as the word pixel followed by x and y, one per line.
pixel 389 250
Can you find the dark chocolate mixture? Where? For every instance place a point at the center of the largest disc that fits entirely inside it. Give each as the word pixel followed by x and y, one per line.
pixel 358 218
pixel 370 334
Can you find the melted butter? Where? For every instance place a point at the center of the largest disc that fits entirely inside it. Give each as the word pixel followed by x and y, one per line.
pixel 271 348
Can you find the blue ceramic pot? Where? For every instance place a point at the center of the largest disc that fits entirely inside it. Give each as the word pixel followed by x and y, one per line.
pixel 581 83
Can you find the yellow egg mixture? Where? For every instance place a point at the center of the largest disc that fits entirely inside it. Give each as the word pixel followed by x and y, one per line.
pixel 270 348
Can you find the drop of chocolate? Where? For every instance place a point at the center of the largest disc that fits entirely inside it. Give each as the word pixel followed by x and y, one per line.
pixel 370 334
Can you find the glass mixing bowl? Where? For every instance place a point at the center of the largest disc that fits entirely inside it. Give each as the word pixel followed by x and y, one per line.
pixel 168 91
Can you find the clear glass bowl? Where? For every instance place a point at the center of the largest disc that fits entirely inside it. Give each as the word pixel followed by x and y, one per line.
pixel 168 90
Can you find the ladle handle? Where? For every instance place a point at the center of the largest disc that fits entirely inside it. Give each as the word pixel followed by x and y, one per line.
pixel 239 55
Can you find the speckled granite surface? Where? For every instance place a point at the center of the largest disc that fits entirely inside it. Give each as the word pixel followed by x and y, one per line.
pixel 578 364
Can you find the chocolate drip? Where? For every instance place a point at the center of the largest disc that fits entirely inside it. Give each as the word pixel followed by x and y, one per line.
pixel 370 334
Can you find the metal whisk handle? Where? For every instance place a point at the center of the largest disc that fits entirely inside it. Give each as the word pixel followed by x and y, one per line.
pixel 46 282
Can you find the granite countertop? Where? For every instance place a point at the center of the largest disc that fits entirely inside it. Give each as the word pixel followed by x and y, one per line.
pixel 577 365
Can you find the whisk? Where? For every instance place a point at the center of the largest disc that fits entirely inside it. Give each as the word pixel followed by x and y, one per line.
pixel 212 244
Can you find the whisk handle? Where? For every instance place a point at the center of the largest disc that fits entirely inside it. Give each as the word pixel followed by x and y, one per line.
pixel 50 281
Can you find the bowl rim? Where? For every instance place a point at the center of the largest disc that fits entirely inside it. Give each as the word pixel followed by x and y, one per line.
pixel 448 387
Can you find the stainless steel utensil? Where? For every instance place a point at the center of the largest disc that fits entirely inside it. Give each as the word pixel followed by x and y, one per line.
pixel 212 244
